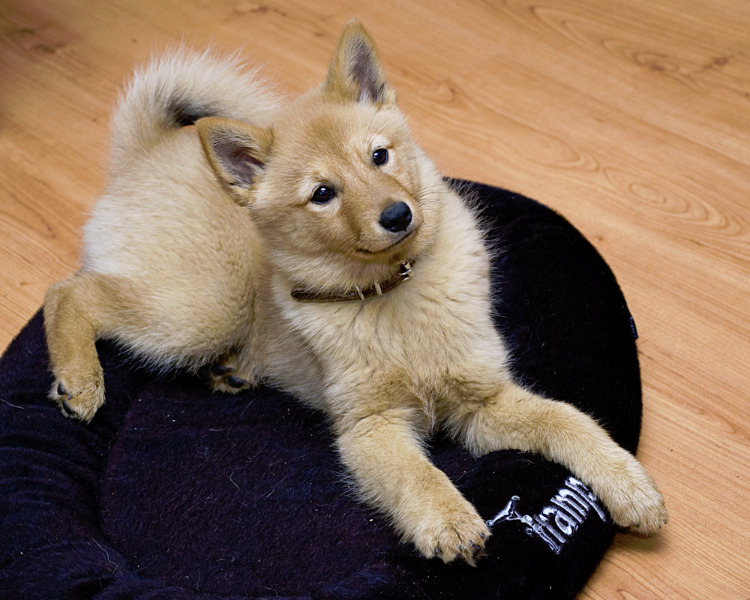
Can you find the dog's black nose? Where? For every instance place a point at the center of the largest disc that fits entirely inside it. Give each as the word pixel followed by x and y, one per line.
pixel 396 217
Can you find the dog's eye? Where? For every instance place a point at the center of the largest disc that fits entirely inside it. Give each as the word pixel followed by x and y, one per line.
pixel 380 156
pixel 323 194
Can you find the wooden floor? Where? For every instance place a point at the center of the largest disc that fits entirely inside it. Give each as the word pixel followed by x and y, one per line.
pixel 631 117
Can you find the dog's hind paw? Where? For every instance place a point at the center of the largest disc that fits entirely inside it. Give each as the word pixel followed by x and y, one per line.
pixel 79 397
pixel 222 376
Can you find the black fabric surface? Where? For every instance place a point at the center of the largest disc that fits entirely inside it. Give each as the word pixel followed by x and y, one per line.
pixel 175 492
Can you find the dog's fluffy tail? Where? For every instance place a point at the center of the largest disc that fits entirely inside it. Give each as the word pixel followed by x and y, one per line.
pixel 178 88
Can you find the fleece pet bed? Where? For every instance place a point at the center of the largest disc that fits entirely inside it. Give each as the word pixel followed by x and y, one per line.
pixel 176 492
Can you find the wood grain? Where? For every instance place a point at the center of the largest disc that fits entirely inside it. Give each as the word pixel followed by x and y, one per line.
pixel 630 117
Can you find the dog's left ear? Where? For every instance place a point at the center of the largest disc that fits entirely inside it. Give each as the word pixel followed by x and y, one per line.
pixel 236 151
pixel 356 74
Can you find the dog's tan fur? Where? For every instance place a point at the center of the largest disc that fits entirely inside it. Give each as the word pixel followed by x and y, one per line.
pixel 190 256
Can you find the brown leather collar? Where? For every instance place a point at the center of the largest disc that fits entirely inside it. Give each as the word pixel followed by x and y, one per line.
pixel 378 289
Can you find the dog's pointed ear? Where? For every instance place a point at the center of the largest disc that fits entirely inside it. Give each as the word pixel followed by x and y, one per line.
pixel 356 73
pixel 236 151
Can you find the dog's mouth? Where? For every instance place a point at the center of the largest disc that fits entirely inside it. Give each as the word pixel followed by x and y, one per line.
pixel 386 249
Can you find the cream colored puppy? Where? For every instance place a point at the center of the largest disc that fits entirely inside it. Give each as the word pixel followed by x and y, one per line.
pixel 314 246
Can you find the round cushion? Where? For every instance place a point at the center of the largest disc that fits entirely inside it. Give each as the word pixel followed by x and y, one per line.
pixel 176 492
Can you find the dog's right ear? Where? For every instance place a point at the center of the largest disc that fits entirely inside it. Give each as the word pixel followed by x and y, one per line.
pixel 356 73
pixel 237 152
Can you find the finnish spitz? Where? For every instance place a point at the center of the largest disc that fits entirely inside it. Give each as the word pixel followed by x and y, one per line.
pixel 313 246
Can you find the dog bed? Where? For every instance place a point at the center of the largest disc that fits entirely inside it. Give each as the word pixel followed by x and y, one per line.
pixel 176 492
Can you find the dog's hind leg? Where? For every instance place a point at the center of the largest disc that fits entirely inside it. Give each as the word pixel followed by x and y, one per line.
pixel 519 419
pixel 77 311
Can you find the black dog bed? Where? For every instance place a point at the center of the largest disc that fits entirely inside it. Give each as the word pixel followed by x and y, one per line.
pixel 175 492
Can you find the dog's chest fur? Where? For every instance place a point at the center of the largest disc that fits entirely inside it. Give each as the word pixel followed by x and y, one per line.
pixel 430 339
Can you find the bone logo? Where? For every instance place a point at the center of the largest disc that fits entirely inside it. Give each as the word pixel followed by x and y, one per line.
pixel 558 521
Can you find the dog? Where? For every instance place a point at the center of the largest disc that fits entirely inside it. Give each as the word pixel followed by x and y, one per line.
pixel 312 245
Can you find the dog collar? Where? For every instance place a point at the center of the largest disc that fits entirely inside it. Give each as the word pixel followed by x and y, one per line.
pixel 377 289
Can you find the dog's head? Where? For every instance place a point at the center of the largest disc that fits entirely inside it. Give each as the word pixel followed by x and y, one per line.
pixel 336 185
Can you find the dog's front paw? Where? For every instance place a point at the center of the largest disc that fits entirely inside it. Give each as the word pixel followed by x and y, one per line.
pixel 79 396
pixel 452 533
pixel 639 505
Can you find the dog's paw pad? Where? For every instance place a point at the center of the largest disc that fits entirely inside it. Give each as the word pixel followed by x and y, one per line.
pixel 223 377
pixel 236 382
pixel 79 401
pixel 68 410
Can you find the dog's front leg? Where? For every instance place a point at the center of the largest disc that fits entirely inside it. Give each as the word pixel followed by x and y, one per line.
pixel 517 418
pixel 384 454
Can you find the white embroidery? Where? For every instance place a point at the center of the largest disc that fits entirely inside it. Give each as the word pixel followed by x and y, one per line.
pixel 558 520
